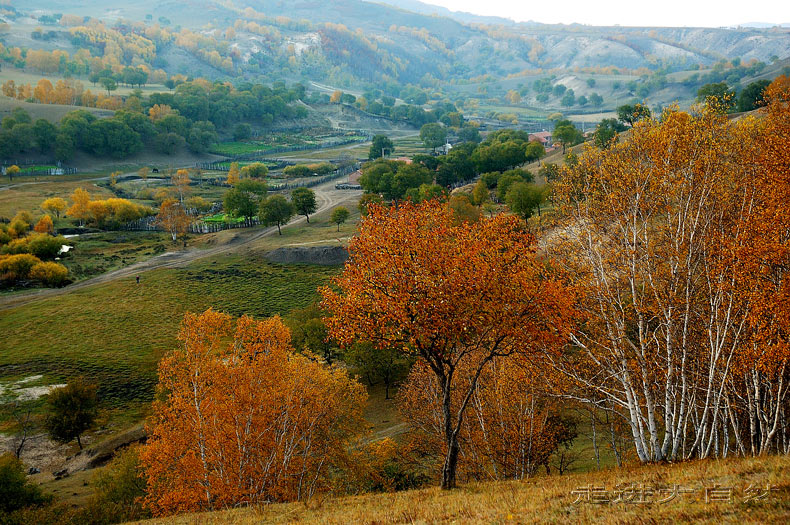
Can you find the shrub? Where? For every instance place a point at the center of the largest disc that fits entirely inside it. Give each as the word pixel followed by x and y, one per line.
pixel 322 168
pixel 145 194
pixel 23 216
pixel 45 246
pixel 15 491
pixel 198 203
pixel 299 170
pixel 18 228
pixel 16 246
pixel 17 267
pixel 49 273
pixel 119 490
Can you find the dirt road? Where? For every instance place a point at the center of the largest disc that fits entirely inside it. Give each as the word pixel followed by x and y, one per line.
pixel 327 197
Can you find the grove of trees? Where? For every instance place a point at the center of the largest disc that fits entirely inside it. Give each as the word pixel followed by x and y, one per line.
pixel 682 281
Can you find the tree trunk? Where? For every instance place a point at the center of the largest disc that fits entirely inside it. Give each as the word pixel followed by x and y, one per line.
pixel 278 229
pixel 451 437
pixel 450 464
pixel 79 442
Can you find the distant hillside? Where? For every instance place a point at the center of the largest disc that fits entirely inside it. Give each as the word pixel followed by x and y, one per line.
pixel 343 42
pixel 363 46
pixel 429 9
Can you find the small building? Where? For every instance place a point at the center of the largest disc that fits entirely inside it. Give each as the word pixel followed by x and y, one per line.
pixel 544 137
pixel 444 150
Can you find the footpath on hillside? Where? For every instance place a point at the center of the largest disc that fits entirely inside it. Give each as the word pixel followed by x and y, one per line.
pixel 327 197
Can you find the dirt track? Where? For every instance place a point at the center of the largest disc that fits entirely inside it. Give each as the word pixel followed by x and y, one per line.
pixel 230 241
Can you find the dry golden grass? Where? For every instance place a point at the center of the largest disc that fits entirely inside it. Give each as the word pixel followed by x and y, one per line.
pixel 27 193
pixel 549 500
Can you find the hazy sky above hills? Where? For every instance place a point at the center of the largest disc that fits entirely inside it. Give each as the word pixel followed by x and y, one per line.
pixel 697 13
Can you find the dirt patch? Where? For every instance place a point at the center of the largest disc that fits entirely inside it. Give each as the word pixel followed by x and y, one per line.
pixel 20 391
pixel 321 255
pixel 48 456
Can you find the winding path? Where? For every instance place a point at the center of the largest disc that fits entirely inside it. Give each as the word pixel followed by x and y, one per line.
pixel 327 197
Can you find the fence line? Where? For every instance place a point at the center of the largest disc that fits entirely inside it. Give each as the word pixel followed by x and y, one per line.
pixel 260 154
pixel 57 170
pixel 199 226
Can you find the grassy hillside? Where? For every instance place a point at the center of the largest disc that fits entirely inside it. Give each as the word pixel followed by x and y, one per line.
pixel 551 499
pixel 50 112
pixel 395 43
pixel 116 332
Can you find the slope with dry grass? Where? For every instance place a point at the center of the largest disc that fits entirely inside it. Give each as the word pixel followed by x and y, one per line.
pixel 708 491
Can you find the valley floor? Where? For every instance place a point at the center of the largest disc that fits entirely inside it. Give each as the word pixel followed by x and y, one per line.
pixel 751 490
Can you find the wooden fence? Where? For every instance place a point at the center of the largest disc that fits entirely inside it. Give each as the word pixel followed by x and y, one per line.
pixel 199 226
pixel 28 167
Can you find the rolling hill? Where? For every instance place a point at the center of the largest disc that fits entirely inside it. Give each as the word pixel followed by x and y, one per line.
pixel 378 42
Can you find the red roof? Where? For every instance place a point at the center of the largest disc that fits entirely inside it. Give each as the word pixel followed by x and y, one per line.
pixel 353 177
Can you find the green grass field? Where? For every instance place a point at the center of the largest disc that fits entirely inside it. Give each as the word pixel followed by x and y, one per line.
pixel 98 253
pixel 115 333
pixel 238 148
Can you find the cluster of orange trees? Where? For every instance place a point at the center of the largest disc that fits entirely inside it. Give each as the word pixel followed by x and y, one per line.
pixel 67 92
pixel 657 295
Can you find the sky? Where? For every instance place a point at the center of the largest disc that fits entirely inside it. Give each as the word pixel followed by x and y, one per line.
pixel 693 13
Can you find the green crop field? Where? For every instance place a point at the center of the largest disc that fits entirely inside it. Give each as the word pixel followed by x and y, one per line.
pixel 238 148
pixel 222 217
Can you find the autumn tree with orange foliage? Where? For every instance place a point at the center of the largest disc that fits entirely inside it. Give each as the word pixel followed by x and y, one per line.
pixel 45 225
pixel 455 294
pixel 514 425
pixel 173 218
pixel 242 419
pixel 762 375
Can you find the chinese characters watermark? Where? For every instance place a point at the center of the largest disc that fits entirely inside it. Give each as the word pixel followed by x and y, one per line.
pixel 640 493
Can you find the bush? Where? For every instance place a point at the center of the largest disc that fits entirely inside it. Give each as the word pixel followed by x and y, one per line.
pixel 23 216
pixel 323 168
pixel 119 490
pixel 17 267
pixel 18 228
pixel 16 246
pixel 299 170
pixel 50 273
pixel 45 246
pixel 198 203
pixel 15 491
pixel 145 194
